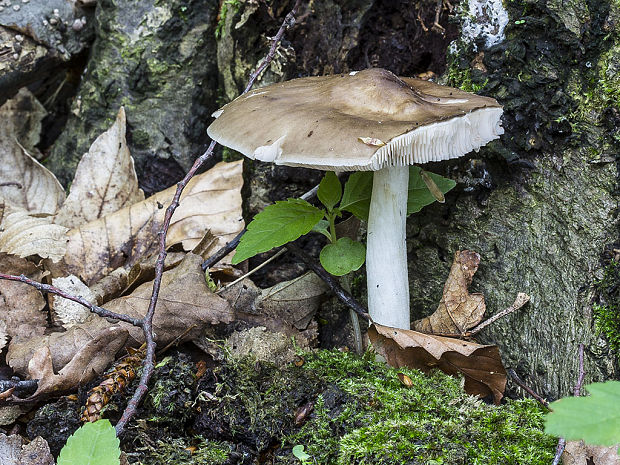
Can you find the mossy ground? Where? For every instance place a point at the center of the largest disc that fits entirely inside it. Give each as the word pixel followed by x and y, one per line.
pixel 606 310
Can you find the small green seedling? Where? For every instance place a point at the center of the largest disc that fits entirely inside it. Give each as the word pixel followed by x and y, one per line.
pixel 300 453
pixel 288 220
pixel 92 444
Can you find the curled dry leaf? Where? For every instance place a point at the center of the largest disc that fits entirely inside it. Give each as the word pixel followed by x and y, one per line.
pixel 105 180
pixel 25 235
pixel 580 453
pixel 211 201
pixel 21 306
pixel 184 301
pixel 15 451
pixel 481 365
pixel 68 311
pixel 24 182
pixel 458 310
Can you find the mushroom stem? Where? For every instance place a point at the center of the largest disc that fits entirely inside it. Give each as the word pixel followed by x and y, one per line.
pixel 386 252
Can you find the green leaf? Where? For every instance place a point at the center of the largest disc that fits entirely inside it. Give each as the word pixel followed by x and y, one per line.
pixel 419 195
pixel 595 419
pixel 276 225
pixel 330 190
pixel 322 227
pixel 92 444
pixel 357 192
pixel 298 451
pixel 343 256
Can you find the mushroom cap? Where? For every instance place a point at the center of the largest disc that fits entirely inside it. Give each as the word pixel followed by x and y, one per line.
pixel 359 121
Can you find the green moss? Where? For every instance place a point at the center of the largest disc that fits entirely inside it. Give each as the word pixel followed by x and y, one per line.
pixel 227 7
pixel 367 416
pixel 462 78
pixel 607 310
pixel 229 155
pixel 187 452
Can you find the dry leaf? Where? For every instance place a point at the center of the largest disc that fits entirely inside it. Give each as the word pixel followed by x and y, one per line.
pixel 211 201
pixel 21 306
pixel 14 451
pixel 4 334
pixel 458 310
pixel 90 361
pixel 294 301
pixel 25 235
pixel 105 180
pixel 579 453
pixel 68 311
pixel 184 301
pixel 480 364
pixel 24 182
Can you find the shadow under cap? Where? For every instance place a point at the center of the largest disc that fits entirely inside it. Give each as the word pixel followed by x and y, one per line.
pixel 317 122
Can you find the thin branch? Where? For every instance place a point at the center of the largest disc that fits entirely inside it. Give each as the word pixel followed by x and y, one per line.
pixel 102 312
pixel 559 451
pixel 519 302
pixel 526 388
pixel 19 387
pixel 149 360
pixel 332 282
pixel 251 272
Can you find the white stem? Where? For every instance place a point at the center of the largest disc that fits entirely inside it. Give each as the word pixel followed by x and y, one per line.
pixel 386 252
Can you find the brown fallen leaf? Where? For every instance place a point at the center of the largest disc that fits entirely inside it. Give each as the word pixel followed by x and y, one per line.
pixel 89 361
pixel 105 180
pixel 184 301
pixel 579 453
pixel 15 451
pixel 211 201
pixel 458 310
pixel 21 306
pixel 295 301
pixel 24 182
pixel 480 364
pixel 25 235
pixel 67 311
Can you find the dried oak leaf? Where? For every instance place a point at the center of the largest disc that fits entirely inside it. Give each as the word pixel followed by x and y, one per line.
pixel 21 306
pixel 105 180
pixel 25 235
pixel 24 182
pixel 184 302
pixel 211 201
pixel 458 310
pixel 14 451
pixel 481 365
pixel 89 361
pixel 580 453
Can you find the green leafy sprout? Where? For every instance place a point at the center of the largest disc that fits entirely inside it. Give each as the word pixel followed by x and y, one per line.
pixel 92 444
pixel 286 221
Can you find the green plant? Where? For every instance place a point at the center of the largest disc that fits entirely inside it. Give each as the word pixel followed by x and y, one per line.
pixel 298 452
pixel 285 221
pixel 606 312
pixel 92 444
pixel 595 419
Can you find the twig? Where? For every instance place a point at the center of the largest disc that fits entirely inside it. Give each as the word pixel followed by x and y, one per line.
pixel 576 392
pixel 526 388
pixel 19 387
pixel 251 272
pixel 149 359
pixel 332 282
pixel 519 302
pixel 102 312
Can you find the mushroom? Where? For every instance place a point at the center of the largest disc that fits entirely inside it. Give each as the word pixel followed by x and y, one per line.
pixel 366 120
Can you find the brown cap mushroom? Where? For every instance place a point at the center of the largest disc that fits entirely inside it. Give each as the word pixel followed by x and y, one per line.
pixel 369 120
pixel 322 122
